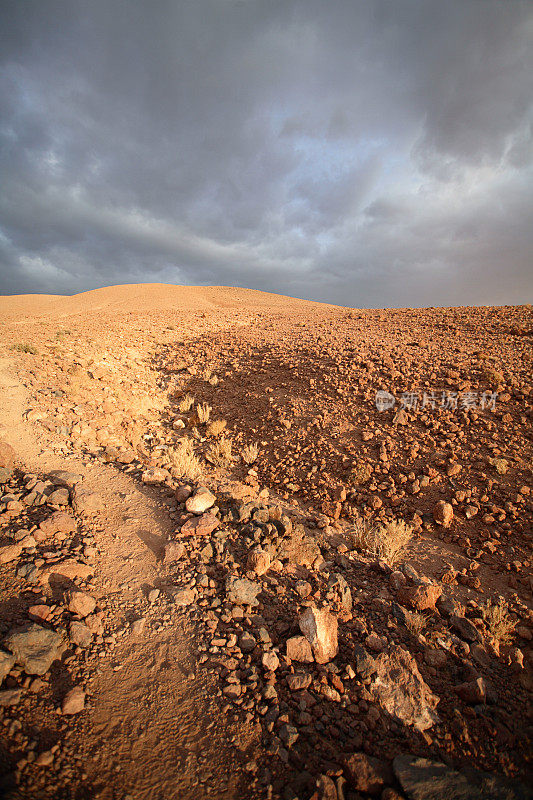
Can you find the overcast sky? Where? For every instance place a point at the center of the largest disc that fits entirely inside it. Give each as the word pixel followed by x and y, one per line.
pixel 365 152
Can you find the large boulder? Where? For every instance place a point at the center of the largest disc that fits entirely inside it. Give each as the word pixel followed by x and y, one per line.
pixel 241 591
pixel 425 779
pixel 35 648
pixel 200 501
pixel 319 627
pixel 7 455
pixel 400 689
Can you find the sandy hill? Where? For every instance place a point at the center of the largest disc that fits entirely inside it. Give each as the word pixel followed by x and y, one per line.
pixel 144 297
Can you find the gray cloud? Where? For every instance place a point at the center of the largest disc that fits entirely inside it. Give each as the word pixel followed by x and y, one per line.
pixel 362 153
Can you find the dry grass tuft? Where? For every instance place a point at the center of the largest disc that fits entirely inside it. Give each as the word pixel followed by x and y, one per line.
pixel 499 622
pixel 184 461
pixel 203 411
pixel 361 473
pixel 219 454
pixel 186 404
pixel 24 347
pixel 386 541
pixel 415 622
pixel 216 427
pixel 249 453
pixel 494 377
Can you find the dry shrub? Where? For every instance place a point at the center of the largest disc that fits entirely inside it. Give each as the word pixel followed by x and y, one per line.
pixel 183 460
pixel 216 427
pixel 250 453
pixel 361 473
pixel 24 347
pixel 219 453
pixel 500 464
pixel 386 541
pixel 186 403
pixel 499 622
pixel 415 622
pixel 203 410
pixel 494 377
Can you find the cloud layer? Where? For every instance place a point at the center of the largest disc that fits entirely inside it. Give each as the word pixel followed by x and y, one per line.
pixel 366 153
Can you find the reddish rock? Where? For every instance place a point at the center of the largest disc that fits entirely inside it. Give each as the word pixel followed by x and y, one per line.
pixel 173 552
pixel 70 568
pixel 473 692
pixel 421 597
pixel 81 603
pixel 40 613
pixel 200 501
pixel 9 552
pixel 443 514
pixel 60 522
pixel 319 626
pixel 182 493
pixel 258 561
pixel 401 690
pixel 200 526
pixel 299 649
pixel 7 454
pixel 367 774
pixel 73 701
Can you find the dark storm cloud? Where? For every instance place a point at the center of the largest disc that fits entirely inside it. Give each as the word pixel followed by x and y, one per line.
pixel 366 153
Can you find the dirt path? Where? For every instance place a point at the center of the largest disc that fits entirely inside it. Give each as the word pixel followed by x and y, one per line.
pixel 152 728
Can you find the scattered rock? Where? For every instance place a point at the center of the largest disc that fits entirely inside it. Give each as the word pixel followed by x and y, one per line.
pixel 242 591
pixel 443 514
pixel 173 552
pixel 319 626
pixel 200 501
pixel 367 774
pixel 200 526
pixel 299 649
pixel 258 561
pixel 35 648
pixel 7 662
pixel 155 475
pixel 86 502
pixel 73 701
pixel 421 597
pixel 401 690
pixel 10 552
pixel 7 455
pixel 81 603
pixel 425 779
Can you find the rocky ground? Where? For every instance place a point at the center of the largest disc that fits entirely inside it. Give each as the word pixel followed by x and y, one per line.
pixel 253 547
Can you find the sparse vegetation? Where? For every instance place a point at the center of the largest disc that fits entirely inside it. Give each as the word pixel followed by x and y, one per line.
pixel 186 403
pixel 24 347
pixel 386 541
pixel 415 622
pixel 62 332
pixel 498 621
pixel 203 411
pixel 184 461
pixel 494 377
pixel 500 464
pixel 219 454
pixel 361 473
pixel 216 427
pixel 250 453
